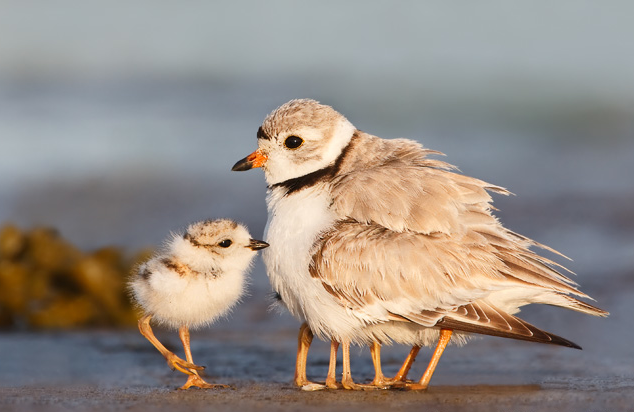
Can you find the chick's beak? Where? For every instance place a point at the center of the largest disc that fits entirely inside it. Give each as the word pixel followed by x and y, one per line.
pixel 257 244
pixel 252 161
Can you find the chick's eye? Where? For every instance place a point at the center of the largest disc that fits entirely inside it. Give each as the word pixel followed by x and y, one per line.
pixel 293 142
pixel 225 243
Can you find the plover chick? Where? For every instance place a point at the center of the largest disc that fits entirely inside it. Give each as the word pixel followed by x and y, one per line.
pixel 197 278
pixel 372 241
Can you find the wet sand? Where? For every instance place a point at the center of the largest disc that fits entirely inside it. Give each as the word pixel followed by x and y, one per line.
pixel 273 397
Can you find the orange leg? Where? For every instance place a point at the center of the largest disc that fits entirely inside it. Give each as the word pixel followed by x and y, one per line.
pixel 173 361
pixel 331 379
pixel 401 375
pixel 194 378
pixel 304 339
pixel 443 340
pixel 379 379
pixel 346 378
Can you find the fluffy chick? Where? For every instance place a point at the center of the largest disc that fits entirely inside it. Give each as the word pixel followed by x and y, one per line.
pixel 197 278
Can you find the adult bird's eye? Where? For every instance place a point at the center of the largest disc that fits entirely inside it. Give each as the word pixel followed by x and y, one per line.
pixel 225 243
pixel 293 142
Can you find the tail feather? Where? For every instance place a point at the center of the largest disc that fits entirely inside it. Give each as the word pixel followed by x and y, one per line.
pixel 484 318
pixel 580 306
pixel 538 335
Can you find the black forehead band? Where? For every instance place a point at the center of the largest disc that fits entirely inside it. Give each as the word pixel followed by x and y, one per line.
pixel 262 134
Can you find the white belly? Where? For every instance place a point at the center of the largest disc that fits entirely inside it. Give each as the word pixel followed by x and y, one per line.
pixel 411 334
pixel 198 301
pixel 295 223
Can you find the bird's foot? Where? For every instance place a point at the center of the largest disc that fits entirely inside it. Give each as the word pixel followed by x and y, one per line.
pixel 181 365
pixel 331 383
pixel 198 382
pixel 301 382
pixel 409 386
pixel 350 385
pixel 392 383
pixel 383 382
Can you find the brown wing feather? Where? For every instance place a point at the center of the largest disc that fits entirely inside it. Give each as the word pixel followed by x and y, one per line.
pixel 364 264
pixel 393 185
pixel 485 319
pixel 415 237
pixel 494 322
pixel 403 189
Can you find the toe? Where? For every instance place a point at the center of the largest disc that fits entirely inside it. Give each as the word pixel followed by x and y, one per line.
pixel 407 386
pixel 198 382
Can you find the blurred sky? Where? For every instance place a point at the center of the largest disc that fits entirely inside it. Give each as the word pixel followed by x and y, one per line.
pixel 120 120
pixel 574 44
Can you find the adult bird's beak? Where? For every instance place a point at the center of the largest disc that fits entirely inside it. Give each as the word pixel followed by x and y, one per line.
pixel 254 160
pixel 257 244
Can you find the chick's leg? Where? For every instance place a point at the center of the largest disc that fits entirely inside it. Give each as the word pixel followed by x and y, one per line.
pixel 173 361
pixel 331 379
pixel 304 339
pixel 443 340
pixel 346 378
pixel 401 375
pixel 194 378
pixel 380 380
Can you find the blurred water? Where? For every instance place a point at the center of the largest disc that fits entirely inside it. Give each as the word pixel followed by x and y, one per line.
pixel 568 44
pixel 124 163
pixel 119 123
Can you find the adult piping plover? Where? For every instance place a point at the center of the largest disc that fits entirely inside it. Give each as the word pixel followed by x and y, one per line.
pixel 197 278
pixel 372 241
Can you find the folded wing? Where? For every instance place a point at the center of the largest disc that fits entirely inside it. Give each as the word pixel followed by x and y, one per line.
pixel 417 242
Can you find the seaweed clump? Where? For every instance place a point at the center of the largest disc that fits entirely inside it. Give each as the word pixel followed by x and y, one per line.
pixel 46 282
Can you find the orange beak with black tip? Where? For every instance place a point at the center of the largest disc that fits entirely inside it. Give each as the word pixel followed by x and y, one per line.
pixel 252 161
